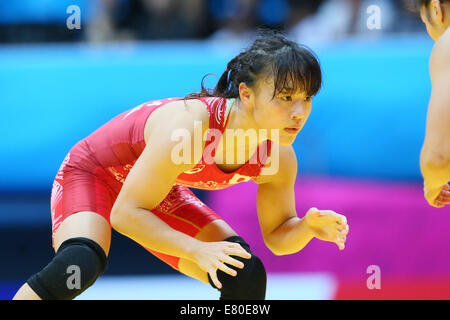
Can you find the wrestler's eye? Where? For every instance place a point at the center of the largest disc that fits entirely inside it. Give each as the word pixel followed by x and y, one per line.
pixel 286 98
pixel 308 99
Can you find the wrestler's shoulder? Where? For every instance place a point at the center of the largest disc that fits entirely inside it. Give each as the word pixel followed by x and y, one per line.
pixel 184 108
pixel 178 114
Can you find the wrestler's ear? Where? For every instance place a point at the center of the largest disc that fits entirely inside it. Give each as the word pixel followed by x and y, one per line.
pixel 437 11
pixel 246 94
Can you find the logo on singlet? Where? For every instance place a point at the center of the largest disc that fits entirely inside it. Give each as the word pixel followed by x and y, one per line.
pixel 237 178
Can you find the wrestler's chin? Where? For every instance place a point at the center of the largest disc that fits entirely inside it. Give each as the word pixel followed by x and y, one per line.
pixel 286 139
pixel 283 137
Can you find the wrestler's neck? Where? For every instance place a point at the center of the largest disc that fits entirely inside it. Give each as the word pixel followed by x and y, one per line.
pixel 241 121
pixel 241 125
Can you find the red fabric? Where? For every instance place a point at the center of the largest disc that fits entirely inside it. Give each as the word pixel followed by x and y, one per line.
pixel 206 175
pixel 77 190
pixel 93 172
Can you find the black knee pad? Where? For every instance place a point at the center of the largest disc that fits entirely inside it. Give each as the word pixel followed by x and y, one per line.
pixel 249 283
pixel 75 267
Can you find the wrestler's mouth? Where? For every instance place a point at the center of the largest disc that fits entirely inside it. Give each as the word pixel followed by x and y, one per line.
pixel 292 130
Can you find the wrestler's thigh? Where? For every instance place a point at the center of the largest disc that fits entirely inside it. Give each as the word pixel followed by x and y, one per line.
pixel 86 224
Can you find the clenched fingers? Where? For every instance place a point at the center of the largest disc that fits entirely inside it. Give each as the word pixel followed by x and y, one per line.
pixel 344 230
pixel 444 196
pixel 339 218
pixel 340 241
pixel 342 220
pixel 342 237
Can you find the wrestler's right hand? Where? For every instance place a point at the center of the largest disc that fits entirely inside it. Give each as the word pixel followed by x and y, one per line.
pixel 211 256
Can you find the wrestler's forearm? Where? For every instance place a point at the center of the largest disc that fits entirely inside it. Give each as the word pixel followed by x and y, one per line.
pixel 290 237
pixel 142 226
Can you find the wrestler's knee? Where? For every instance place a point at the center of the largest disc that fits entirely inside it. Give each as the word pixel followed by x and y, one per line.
pixel 75 267
pixel 249 283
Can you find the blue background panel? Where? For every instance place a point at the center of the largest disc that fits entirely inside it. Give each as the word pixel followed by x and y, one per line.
pixel 367 121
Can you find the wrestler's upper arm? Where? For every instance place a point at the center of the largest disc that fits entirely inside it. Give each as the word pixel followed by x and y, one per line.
pixel 276 196
pixel 155 171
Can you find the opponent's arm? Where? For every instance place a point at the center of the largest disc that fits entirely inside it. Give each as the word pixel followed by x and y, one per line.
pixel 435 153
pixel 283 231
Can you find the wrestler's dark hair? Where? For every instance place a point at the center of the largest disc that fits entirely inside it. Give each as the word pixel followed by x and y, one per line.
pixel 294 68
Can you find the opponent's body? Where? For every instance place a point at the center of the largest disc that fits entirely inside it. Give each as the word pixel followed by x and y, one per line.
pixel 435 154
pixel 125 175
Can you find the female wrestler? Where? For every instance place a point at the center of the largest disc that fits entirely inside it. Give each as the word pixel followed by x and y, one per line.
pixel 435 153
pixel 126 175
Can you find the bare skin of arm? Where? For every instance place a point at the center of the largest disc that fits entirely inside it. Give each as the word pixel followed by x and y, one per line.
pixel 148 183
pixel 435 154
pixel 283 231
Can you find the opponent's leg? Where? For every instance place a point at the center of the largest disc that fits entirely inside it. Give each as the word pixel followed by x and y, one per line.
pixel 82 240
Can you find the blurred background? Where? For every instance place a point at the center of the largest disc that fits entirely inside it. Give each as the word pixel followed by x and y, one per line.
pixel 68 66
